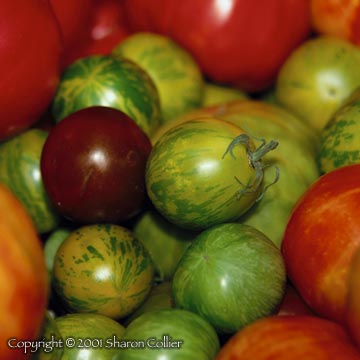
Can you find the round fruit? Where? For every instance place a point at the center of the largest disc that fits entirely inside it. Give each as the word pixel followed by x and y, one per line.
pixel 204 172
pixel 30 56
pixel 340 140
pixel 102 269
pixel 175 73
pixel 20 172
pixel 101 80
pixel 172 334
pixel 89 336
pixel 317 77
pixel 23 278
pixel 231 275
pixel 93 166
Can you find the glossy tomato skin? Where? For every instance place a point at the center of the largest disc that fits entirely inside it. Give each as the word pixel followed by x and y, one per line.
pixel 30 56
pixel 237 41
pixel 295 337
pixel 339 18
pixel 321 238
pixel 75 19
pixel 93 166
pixel 23 277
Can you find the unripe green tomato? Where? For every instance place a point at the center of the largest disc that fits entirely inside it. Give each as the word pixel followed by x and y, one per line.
pixel 20 172
pixel 108 81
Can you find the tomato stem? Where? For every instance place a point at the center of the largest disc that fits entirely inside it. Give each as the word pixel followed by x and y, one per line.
pixel 254 158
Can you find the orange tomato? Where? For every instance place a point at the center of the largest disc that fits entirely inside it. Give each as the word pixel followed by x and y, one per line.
pixel 23 278
pixel 340 18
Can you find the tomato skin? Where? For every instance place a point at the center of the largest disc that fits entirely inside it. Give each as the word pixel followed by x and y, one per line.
pixel 23 277
pixel 321 238
pixel 339 18
pixel 249 39
pixel 93 166
pixel 302 336
pixel 30 55
pixel 75 19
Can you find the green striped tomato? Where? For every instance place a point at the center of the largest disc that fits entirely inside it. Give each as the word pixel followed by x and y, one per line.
pixel 193 183
pixel 20 172
pixel 108 81
pixel 102 269
pixel 93 336
pixel 176 74
pixel 231 275
pixel 340 139
pixel 297 172
pixel 171 334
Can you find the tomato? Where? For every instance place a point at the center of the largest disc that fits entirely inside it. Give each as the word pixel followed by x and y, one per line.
pixel 231 275
pixel 23 277
pixel 30 55
pixel 340 18
pixel 321 238
pixel 235 41
pixel 296 337
pixel 102 269
pixel 108 81
pixel 20 172
pixel 171 334
pixel 93 331
pixel 175 73
pixel 353 300
pixel 106 29
pixel 93 166
pixel 194 180
pixel 74 18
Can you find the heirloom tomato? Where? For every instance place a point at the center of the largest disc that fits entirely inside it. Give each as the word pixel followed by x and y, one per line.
pixel 171 334
pixel 201 173
pixel 20 172
pixel 30 57
pixel 93 166
pixel 108 81
pixel 240 42
pixel 231 275
pixel 339 18
pixel 74 18
pixel 102 269
pixel 321 238
pixel 295 337
pixel 23 278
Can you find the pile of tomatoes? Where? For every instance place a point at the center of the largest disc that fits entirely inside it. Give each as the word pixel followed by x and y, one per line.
pixel 91 161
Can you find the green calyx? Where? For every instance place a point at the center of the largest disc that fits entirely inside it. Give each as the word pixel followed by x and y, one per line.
pixel 254 158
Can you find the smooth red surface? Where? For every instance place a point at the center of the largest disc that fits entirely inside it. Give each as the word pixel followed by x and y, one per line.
pixel 93 166
pixel 321 238
pixel 107 29
pixel 30 56
pixel 23 277
pixel 290 337
pixel 75 19
pixel 240 42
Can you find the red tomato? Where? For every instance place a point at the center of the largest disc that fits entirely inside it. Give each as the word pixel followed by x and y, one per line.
pixel 321 238
pixel 240 42
pixel 108 26
pixel 353 301
pixel 75 18
pixel 339 18
pixel 30 55
pixel 297 337
pixel 23 277
pixel 293 304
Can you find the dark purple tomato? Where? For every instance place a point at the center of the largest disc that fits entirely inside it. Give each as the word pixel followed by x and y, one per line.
pixel 93 166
